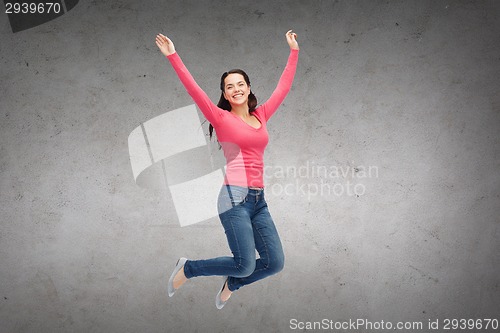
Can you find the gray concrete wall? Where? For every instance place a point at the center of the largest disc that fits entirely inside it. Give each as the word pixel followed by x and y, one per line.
pixel 409 88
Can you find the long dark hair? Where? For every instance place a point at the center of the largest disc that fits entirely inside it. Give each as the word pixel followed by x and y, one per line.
pixel 224 103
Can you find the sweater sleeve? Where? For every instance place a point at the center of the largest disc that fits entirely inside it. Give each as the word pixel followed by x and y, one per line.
pixel 210 110
pixel 283 87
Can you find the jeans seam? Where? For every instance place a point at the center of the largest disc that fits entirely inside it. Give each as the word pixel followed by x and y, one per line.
pixel 255 270
pixel 237 244
pixel 238 264
pixel 267 252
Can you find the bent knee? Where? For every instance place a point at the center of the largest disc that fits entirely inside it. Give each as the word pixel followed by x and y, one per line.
pixel 276 265
pixel 245 268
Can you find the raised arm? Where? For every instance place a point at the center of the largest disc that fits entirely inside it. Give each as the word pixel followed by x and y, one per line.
pixel 207 107
pixel 286 79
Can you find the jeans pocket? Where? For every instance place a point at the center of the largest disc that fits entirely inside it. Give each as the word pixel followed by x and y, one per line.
pixel 231 196
pixel 238 200
pixel 233 200
pixel 225 202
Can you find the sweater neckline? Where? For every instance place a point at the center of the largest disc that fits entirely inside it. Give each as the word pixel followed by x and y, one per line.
pixel 248 123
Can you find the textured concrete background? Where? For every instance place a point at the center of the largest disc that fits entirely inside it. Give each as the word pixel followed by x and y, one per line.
pixel 410 88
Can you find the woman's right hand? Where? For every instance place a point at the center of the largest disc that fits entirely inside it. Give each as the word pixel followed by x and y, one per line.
pixel 291 38
pixel 165 45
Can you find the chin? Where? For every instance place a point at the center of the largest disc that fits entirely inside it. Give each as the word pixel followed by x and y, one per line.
pixel 240 103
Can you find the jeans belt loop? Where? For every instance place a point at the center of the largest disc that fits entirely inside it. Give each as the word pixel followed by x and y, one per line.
pixel 259 194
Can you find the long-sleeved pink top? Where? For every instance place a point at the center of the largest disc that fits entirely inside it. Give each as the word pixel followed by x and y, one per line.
pixel 243 144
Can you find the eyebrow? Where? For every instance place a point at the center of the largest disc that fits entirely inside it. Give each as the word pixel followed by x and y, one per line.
pixel 230 84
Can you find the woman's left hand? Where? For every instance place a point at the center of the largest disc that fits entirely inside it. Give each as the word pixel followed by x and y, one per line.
pixel 291 38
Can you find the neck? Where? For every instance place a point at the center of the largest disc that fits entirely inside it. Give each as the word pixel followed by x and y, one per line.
pixel 240 110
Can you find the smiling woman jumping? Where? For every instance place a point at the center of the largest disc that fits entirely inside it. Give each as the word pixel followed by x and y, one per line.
pixel 241 130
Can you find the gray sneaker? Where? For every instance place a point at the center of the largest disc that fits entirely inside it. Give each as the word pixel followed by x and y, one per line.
pixel 218 301
pixel 178 267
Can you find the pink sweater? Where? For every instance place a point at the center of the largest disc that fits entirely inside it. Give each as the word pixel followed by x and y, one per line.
pixel 243 145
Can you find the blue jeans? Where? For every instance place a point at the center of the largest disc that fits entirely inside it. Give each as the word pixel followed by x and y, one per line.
pixel 248 226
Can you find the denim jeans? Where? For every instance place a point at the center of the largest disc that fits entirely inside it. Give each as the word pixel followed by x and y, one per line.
pixel 248 226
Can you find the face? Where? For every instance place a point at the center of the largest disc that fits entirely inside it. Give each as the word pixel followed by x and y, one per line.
pixel 236 90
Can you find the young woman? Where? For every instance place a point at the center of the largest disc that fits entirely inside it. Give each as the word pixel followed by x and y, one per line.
pixel 241 130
